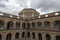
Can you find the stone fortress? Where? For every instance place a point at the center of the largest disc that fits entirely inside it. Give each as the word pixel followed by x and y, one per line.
pixel 29 25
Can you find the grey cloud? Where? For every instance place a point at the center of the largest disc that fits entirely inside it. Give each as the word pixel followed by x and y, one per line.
pixel 46 5
pixel 22 3
pixel 4 0
pixel 3 4
pixel 9 8
pixel 35 3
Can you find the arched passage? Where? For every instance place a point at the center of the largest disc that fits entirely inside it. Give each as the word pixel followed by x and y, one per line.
pixel 1 24
pixel 39 24
pixel 57 37
pixel 47 24
pixel 18 25
pixel 28 25
pixel 28 34
pixel 17 36
pixel 33 25
pixel 10 25
pixel 23 25
pixel 23 34
pixel 48 37
pixel 0 37
pixel 39 36
pixel 33 35
pixel 57 24
pixel 9 36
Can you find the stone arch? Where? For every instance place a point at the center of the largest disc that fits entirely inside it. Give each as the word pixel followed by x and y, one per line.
pixel 57 37
pixel 28 25
pixel 33 35
pixel 17 25
pixel 9 36
pixel 1 24
pixel 57 24
pixel 48 37
pixel 39 36
pixel 17 36
pixel 10 25
pixel 39 24
pixel 23 34
pixel 33 24
pixel 28 34
pixel 23 25
pixel 47 24
pixel 0 37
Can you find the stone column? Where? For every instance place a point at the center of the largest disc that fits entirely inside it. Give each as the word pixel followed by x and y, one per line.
pixel 14 25
pixel 43 36
pixel 20 37
pixel 36 36
pixel 13 36
pixel 52 25
pixel 4 35
pixel 42 24
pixel 5 25
pixel 36 25
pixel 53 37
pixel 21 25
pixel 31 35
pixel 26 25
pixel 30 25
pixel 25 35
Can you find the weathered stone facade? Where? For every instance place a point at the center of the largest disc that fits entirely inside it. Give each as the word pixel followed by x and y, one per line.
pixel 29 25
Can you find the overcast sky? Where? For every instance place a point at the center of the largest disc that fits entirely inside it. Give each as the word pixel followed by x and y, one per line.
pixel 42 6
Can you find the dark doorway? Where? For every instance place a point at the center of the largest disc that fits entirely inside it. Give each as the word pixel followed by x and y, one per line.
pixel 39 36
pixel 10 25
pixel 8 37
pixel 0 37
pixel 48 37
pixel 57 37
pixel 23 34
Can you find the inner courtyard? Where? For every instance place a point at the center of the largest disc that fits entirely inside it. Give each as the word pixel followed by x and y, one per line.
pixel 29 25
